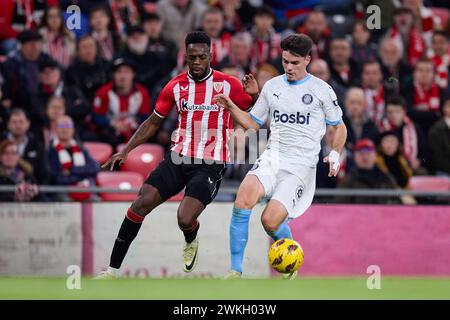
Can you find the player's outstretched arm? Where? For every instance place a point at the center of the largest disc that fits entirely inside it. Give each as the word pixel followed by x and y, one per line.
pixel 337 145
pixel 145 131
pixel 241 117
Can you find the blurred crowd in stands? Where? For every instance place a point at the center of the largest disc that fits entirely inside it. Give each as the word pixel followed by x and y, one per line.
pixel 60 88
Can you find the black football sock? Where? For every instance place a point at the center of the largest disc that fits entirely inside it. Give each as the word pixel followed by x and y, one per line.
pixel 189 235
pixel 128 231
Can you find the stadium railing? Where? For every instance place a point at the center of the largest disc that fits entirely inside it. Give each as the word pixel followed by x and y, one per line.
pixel 232 191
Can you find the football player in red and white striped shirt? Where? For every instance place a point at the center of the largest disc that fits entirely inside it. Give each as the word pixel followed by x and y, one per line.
pixel 199 152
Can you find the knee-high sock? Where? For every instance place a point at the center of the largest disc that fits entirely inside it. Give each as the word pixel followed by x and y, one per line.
pixel 128 231
pixel 283 231
pixel 191 233
pixel 238 236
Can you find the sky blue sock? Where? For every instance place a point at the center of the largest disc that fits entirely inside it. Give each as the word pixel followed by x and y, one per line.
pixel 238 236
pixel 282 232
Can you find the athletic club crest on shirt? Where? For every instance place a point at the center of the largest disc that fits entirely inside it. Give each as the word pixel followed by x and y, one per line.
pixel 218 86
pixel 307 98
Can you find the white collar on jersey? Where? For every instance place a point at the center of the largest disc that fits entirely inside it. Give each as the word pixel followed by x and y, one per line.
pixel 202 79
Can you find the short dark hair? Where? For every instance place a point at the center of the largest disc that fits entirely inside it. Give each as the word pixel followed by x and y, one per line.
pixel 440 33
pixel 18 111
pixel 100 8
pixel 197 37
pixel 370 61
pixel 265 11
pixel 151 16
pixel 212 10
pixel 401 10
pixel 86 36
pixel 424 59
pixel 396 100
pixel 297 44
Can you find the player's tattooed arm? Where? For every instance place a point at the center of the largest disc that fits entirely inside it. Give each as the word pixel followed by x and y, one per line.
pixel 243 118
pixel 145 131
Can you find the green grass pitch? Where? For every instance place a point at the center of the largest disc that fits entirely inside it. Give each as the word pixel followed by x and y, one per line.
pixel 215 289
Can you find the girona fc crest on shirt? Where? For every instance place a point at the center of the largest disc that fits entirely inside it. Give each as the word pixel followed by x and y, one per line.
pixel 218 86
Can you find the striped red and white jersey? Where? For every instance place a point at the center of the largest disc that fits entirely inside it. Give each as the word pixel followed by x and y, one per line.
pixel 110 103
pixel 202 130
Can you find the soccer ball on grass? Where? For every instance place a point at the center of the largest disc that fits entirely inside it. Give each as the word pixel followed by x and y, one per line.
pixel 285 255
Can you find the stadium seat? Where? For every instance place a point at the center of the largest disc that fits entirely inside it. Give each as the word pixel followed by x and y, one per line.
pixel 99 151
pixel 442 13
pixel 429 183
pixel 121 180
pixel 143 159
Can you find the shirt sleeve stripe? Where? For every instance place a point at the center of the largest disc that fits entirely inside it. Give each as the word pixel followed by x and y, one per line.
pixel 333 123
pixel 259 122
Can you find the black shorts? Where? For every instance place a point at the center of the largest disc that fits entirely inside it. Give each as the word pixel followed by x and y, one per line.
pixel 202 180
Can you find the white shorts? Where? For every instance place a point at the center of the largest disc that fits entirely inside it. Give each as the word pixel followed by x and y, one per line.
pixel 292 185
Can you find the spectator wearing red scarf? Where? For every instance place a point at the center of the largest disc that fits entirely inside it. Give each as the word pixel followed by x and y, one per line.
pixel 411 138
pixel 424 98
pixel 440 56
pixel 212 24
pixel 70 163
pixel 407 36
pixel 266 41
pixel 374 91
pixel 125 13
pixel 424 21
pixel 316 27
